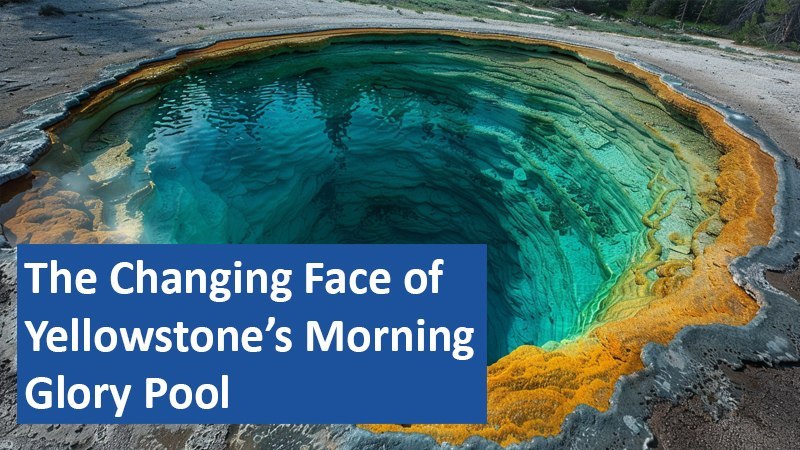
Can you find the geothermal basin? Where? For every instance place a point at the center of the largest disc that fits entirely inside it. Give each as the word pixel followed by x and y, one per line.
pixel 611 205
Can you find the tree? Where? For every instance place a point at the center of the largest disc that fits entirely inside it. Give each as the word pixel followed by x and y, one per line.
pixel 769 21
pixel 637 8
pixel 751 31
pixel 702 8
pixel 684 7
pixel 782 18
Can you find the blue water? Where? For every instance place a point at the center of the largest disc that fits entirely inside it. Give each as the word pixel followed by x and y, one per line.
pixel 416 140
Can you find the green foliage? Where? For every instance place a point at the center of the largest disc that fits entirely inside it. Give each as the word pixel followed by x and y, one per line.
pixel 772 21
pixel 723 12
pixel 782 21
pixel 776 8
pixel 637 8
pixel 751 32
pixel 664 8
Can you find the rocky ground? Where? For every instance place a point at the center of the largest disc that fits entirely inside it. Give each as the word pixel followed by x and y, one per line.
pixel 42 56
pixel 767 415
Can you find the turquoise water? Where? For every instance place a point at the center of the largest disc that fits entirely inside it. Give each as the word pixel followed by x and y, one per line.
pixel 415 140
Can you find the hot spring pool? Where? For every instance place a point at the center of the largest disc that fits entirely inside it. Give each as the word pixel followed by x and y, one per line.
pixel 611 218
pixel 581 182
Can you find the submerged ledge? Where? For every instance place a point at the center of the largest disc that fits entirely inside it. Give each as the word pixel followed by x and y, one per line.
pixel 532 390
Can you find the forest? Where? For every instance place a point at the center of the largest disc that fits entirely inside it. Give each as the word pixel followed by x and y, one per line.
pixel 763 23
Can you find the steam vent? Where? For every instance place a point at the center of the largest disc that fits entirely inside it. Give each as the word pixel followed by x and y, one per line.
pixel 611 205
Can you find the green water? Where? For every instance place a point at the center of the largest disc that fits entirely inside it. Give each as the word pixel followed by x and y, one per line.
pixel 416 140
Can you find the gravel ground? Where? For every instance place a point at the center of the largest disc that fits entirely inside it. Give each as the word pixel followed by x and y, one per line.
pixel 44 56
pixel 767 416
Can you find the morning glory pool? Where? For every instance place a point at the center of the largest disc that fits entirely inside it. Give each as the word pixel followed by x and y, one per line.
pixel 581 182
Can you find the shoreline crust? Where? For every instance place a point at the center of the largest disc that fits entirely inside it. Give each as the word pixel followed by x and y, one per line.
pixel 532 390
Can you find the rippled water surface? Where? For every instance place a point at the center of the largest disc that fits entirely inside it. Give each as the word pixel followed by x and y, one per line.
pixel 561 169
